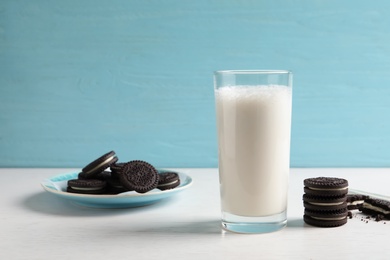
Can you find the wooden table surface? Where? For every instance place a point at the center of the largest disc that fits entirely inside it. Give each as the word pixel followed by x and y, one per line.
pixel 37 225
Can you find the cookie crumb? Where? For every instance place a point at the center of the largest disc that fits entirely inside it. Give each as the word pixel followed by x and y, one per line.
pixel 379 217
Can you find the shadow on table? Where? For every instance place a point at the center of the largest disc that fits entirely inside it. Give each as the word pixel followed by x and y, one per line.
pixel 45 203
pixel 202 227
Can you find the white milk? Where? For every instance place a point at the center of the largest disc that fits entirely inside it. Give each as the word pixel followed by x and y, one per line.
pixel 254 148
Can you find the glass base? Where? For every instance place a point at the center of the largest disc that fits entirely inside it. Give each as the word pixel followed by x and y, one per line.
pixel 254 225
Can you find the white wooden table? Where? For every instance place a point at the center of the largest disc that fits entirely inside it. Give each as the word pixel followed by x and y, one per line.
pixel 37 225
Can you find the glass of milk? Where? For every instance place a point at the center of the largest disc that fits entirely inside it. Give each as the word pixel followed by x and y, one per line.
pixel 253 123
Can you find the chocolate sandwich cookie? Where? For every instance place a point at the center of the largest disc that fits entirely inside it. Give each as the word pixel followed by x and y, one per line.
pixel 324 203
pixel 355 201
pixel 104 175
pixel 325 186
pixel 376 208
pixel 139 176
pixel 333 218
pixel 168 180
pixel 100 164
pixel 116 169
pixel 114 186
pixel 88 186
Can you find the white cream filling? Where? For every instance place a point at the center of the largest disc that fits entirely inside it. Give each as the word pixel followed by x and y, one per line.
pixel 169 183
pixel 356 202
pixel 325 204
pixel 335 218
pixel 102 163
pixel 311 188
pixel 377 209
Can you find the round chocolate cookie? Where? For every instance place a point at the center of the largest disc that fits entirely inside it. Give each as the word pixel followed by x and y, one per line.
pixel 168 180
pixel 87 186
pixel 114 186
pixel 325 186
pixel 139 176
pixel 333 218
pixel 100 164
pixel 355 201
pixel 376 207
pixel 104 175
pixel 116 169
pixel 324 203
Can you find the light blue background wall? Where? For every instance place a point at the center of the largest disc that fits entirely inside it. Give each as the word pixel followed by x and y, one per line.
pixel 79 78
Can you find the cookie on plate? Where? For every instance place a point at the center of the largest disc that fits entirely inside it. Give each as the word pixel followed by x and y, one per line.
pixel 139 176
pixel 114 186
pixel 99 165
pixel 168 180
pixel 86 186
pixel 104 175
pixel 116 169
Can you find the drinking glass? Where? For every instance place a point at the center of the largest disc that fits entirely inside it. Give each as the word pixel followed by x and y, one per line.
pixel 253 109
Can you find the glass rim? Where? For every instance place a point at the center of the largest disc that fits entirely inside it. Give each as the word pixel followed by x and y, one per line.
pixel 252 72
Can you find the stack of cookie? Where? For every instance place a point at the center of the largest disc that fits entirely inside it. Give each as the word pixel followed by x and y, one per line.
pixel 325 201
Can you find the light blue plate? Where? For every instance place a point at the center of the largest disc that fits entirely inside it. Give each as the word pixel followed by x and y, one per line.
pixel 57 186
